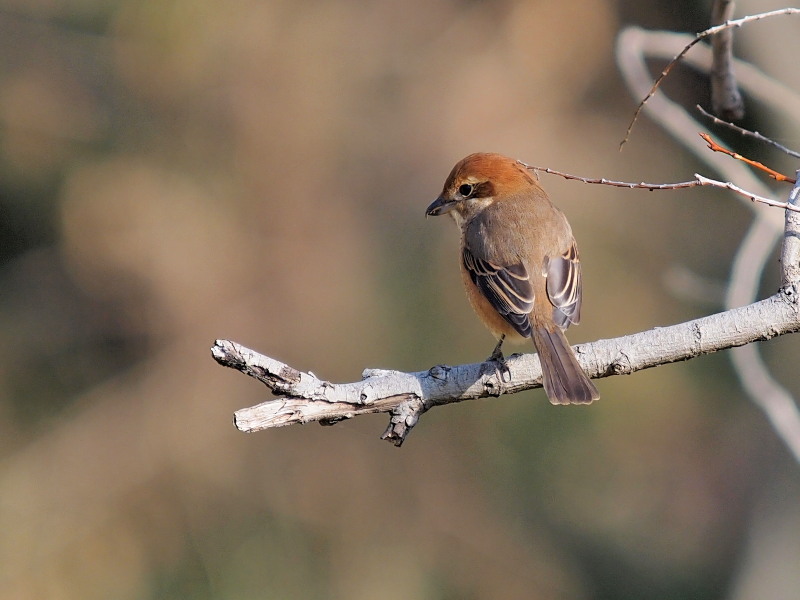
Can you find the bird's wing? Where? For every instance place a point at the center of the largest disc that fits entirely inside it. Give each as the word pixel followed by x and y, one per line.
pixel 507 288
pixel 564 286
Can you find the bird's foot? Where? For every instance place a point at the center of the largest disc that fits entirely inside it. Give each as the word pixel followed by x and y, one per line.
pixel 497 353
pixel 501 368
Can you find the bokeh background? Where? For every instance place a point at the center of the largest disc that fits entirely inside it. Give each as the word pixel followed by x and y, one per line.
pixel 172 172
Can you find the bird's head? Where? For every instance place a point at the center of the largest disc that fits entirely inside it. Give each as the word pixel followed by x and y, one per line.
pixel 476 182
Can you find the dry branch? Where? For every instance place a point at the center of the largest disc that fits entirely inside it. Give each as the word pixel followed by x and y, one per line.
pixel 726 98
pixel 727 185
pixel 790 249
pixel 406 396
pixel 699 180
pixel 746 132
pixel 634 48
pixel 699 37
pixel 715 147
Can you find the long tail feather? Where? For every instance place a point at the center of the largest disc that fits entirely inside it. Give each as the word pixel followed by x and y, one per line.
pixel 563 379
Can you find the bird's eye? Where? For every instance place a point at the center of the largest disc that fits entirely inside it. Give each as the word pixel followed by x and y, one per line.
pixel 465 189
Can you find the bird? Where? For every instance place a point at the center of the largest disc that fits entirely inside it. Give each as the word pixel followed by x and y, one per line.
pixel 519 265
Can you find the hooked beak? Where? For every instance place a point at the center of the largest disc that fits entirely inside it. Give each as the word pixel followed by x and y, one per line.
pixel 439 206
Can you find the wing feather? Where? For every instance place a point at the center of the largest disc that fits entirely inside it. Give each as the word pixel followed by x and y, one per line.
pixel 507 288
pixel 564 286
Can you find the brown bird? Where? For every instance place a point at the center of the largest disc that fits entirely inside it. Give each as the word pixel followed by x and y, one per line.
pixel 519 264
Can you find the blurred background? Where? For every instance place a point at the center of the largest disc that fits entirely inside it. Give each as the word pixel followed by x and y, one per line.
pixel 172 172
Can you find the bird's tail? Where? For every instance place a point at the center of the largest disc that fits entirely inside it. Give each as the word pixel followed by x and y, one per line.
pixel 562 377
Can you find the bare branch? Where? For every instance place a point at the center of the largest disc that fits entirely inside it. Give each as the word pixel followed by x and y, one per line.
pixel 623 184
pixel 715 147
pixel 700 36
pixel 749 195
pixel 770 396
pixel 746 132
pixel 634 47
pixel 699 180
pixel 725 96
pixel 406 396
pixel 790 251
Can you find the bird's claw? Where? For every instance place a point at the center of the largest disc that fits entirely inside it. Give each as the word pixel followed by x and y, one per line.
pixel 501 368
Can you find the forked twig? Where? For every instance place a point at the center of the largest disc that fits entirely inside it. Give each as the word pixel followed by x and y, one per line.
pixel 698 181
pixel 700 36
pixel 727 185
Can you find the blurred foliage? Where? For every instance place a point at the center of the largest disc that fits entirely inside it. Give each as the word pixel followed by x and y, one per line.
pixel 175 172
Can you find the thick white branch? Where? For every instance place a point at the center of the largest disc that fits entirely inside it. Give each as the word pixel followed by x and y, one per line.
pixel 790 251
pixel 406 396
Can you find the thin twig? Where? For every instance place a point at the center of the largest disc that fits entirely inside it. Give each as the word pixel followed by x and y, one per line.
pixel 712 145
pixel 746 132
pixel 700 36
pixel 699 180
pixel 623 184
pixel 749 195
